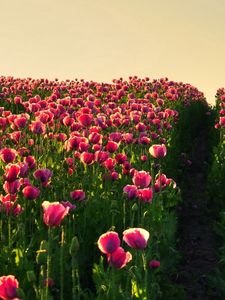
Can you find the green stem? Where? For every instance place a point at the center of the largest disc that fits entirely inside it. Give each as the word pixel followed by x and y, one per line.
pixel 48 262
pixel 145 273
pixel 113 286
pixel 9 232
pixel 75 279
pixel 61 264
pixel 124 214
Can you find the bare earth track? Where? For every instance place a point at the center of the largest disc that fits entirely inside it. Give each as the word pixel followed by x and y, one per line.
pixel 195 231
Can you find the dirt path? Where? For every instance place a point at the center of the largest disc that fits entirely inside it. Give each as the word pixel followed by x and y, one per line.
pixel 196 239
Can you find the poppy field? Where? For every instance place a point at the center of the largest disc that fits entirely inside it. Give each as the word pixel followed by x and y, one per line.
pixel 89 184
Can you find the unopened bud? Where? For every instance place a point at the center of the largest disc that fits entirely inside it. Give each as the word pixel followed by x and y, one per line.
pixel 74 247
pixel 31 276
pixel 135 207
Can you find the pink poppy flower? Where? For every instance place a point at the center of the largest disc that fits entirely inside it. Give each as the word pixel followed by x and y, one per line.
pixel 67 121
pixel 20 122
pixel 37 127
pixel 8 286
pixel 87 158
pixel 31 192
pixel 145 195
pixel 68 204
pixel 15 136
pixel 3 123
pixel 114 175
pixel 10 207
pixel 23 169
pixel 136 238
pixel 85 120
pixel 12 172
pixel 128 138
pixel 121 158
pixel 126 167
pixel 131 191
pixel 222 121
pixel 119 258
pixel 101 156
pixel 11 187
pixel 144 158
pixel 83 146
pixel 111 146
pixel 108 242
pixel 77 195
pixel 43 175
pixel 158 151
pixel 72 143
pixel 154 264
pixel 54 213
pixel 30 160
pixel 141 179
pixel 162 181
pixel 95 138
pixel 109 163
pixel 8 155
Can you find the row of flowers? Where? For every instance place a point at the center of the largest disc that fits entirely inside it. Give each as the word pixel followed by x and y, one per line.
pixel 81 158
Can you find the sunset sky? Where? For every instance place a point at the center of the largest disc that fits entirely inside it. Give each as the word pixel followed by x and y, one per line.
pixel 100 40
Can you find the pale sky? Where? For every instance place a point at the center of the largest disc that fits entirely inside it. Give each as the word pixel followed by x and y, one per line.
pixel 100 40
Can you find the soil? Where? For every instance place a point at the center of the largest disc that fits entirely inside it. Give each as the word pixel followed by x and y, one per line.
pixel 196 240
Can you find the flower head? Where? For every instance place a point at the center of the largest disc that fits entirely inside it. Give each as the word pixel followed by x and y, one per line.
pixel 8 286
pixel 108 242
pixel 119 258
pixel 136 238
pixel 158 151
pixel 141 179
pixel 8 155
pixel 54 213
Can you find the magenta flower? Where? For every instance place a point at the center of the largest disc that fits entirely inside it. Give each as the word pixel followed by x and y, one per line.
pixel 31 192
pixel 72 143
pixel 131 191
pixel 23 169
pixel 10 207
pixel 8 155
pixel 119 258
pixel 69 205
pixel 87 158
pixel 12 172
pixel 37 127
pixel 222 121
pixel 11 187
pixel 158 151
pixel 20 122
pixel 95 138
pixel 145 195
pixel 77 195
pixel 121 158
pixel 109 163
pixel 154 264
pixel 111 146
pixel 136 238
pixel 108 242
pixel 85 120
pixel 141 179
pixel 8 286
pixel 43 175
pixel 101 156
pixel 30 160
pixel 54 213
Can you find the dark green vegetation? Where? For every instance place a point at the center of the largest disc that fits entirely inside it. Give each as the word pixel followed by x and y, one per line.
pixel 89 140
